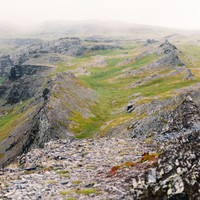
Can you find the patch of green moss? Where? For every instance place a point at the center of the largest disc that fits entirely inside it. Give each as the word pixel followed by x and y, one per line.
pixel 71 198
pixel 62 172
pixel 1 155
pixel 77 182
pixel 52 182
pixel 88 191
pixel 67 192
pixel 15 117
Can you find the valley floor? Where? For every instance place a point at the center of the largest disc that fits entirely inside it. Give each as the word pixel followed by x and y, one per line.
pixel 81 169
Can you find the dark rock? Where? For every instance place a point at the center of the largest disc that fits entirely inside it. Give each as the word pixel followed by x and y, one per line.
pixel 64 182
pixel 24 83
pixel 45 93
pixel 32 168
pixel 5 65
pixel 167 47
pixel 182 180
pixel 15 73
pixel 189 75
pixel 171 55
pixel 131 107
pixel 3 89
pixel 150 41
pixel 102 47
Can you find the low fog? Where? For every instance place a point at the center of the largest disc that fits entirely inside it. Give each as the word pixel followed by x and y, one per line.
pixel 27 15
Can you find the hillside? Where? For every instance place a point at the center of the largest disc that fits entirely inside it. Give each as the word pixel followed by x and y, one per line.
pixel 91 117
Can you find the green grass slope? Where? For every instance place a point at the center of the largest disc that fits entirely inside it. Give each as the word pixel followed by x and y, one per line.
pixel 114 91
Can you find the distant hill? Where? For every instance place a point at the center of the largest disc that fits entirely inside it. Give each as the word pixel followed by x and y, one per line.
pixel 59 28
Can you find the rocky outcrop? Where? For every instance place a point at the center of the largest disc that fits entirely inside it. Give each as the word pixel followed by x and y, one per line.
pixel 49 115
pixel 130 107
pixel 53 119
pixel 169 54
pixel 168 58
pixel 168 124
pixel 145 80
pixel 103 47
pixel 185 116
pixel 70 46
pixel 166 47
pixel 150 41
pixel 190 75
pixel 5 65
pixel 161 120
pixel 24 83
pixel 177 175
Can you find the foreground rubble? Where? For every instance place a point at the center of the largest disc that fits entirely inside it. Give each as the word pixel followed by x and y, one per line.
pixel 106 168
pixel 78 169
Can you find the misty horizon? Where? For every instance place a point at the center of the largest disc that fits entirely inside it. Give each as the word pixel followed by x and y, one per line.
pixel 176 14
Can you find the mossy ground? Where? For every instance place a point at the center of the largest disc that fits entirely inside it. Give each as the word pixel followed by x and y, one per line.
pixel 114 88
pixel 14 118
pixel 115 94
pixel 85 191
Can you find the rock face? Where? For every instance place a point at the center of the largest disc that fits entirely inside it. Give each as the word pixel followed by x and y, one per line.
pixel 172 123
pixel 163 119
pixel 24 83
pixel 53 119
pixel 5 65
pixel 177 175
pixel 186 116
pixel 49 115
pixel 68 46
pixel 150 41
pixel 168 59
pixel 64 46
pixel 169 54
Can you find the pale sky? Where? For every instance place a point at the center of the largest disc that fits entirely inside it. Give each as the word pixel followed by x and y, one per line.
pixel 169 13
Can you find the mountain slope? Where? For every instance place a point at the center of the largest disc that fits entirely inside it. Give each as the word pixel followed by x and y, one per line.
pixel 132 80
pixel 129 96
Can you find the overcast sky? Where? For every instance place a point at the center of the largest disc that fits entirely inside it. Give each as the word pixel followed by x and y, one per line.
pixel 170 13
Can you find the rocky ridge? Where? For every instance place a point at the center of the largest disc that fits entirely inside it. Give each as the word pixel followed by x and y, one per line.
pixel 50 118
pixel 50 103
pixel 56 48
pixel 163 121
pixel 168 123
pixel 169 58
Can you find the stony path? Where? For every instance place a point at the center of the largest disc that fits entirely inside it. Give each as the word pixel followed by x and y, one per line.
pixel 80 169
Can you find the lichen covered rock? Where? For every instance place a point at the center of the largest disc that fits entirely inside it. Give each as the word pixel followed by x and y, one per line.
pixel 177 175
